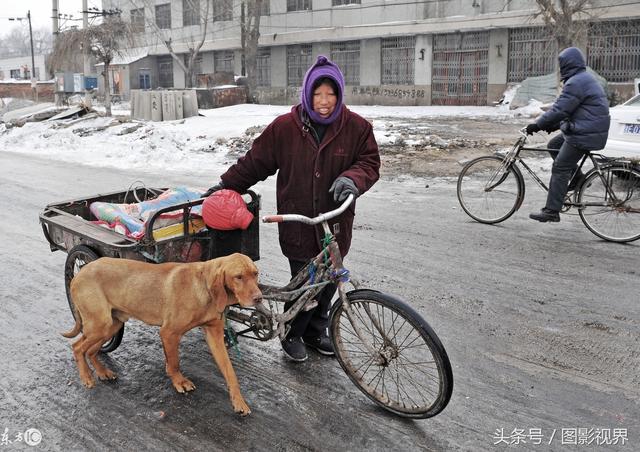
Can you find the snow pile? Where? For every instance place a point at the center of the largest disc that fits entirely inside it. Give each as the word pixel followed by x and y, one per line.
pixel 202 144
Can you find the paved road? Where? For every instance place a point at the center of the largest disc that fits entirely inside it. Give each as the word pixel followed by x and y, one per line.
pixel 541 322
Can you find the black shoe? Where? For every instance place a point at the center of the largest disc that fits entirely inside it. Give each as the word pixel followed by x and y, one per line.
pixel 546 215
pixel 294 349
pixel 322 344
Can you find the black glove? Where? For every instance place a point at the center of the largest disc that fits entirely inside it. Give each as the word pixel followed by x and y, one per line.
pixel 532 128
pixel 218 186
pixel 342 187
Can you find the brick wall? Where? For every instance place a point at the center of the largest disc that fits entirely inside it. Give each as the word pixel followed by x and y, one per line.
pixel 23 90
pixel 221 97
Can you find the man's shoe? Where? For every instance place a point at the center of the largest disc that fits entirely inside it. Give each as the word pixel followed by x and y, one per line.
pixel 546 215
pixel 294 349
pixel 322 344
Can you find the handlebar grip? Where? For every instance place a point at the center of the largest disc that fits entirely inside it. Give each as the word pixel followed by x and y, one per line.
pixel 272 219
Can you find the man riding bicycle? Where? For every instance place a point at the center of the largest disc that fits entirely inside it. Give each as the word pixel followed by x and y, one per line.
pixel 581 112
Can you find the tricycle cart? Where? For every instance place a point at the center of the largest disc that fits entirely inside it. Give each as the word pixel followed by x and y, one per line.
pixel 70 226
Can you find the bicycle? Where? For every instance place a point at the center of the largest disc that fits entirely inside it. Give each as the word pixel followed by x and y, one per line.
pixel 491 188
pixel 386 348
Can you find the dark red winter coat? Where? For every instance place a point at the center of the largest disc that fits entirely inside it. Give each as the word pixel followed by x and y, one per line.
pixel 306 172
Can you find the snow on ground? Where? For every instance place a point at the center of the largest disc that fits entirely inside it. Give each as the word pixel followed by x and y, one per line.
pixel 197 144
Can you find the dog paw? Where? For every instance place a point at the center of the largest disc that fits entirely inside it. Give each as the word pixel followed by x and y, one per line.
pixel 241 408
pixel 107 375
pixel 88 382
pixel 183 385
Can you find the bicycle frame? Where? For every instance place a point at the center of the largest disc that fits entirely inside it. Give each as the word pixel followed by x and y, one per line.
pixel 324 269
pixel 513 158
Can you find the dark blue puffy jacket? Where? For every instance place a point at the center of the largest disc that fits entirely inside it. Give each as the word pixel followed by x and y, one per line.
pixel 582 110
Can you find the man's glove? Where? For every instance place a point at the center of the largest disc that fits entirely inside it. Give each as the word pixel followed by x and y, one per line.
pixel 532 128
pixel 342 187
pixel 218 186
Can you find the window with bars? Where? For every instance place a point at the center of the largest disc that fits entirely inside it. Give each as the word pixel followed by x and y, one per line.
pixel 299 5
pixel 265 8
pixel 347 56
pixel 263 60
pixel 197 64
pixel 532 52
pixel 163 15
pixel 299 59
pixel 398 58
pixel 137 20
pixel 165 72
pixel 190 12
pixel 223 61
pixel 613 49
pixel 345 2
pixel 222 10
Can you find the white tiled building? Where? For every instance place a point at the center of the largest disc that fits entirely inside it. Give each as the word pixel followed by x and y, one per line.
pixel 392 51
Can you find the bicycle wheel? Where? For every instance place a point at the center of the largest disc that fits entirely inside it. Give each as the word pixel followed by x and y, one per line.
pixel 490 191
pixel 395 359
pixel 614 220
pixel 76 259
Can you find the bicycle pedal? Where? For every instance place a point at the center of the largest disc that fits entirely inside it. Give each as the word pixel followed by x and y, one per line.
pixel 310 306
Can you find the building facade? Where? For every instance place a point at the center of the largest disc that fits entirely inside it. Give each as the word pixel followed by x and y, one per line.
pixel 392 52
pixel 19 68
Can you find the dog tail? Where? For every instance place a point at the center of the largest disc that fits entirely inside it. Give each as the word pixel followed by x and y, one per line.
pixel 75 331
pixel 77 327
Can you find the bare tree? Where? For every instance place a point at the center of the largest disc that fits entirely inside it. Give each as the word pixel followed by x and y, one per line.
pixel 105 42
pixel 199 15
pixel 16 42
pixel 250 34
pixel 566 19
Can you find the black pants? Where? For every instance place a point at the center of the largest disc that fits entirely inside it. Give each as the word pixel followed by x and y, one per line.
pixel 314 322
pixel 564 165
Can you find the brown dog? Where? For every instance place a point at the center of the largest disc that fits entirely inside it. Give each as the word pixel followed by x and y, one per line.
pixel 174 296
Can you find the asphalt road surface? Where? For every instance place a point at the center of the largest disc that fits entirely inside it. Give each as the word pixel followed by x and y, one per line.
pixel 541 323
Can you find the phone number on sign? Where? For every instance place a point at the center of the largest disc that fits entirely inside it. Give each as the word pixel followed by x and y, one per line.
pixel 565 436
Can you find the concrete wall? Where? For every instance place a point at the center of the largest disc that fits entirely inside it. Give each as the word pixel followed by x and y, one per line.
pixel 498 64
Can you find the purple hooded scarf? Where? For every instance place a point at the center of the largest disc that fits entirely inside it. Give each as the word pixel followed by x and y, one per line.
pixel 323 67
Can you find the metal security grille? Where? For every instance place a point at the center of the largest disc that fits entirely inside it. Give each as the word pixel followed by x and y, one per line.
pixel 613 49
pixel 165 72
pixel 347 56
pixel 137 20
pixel 298 5
pixel 299 59
pixel 398 58
pixel 223 61
pixel 222 10
pixel 197 64
pixel 345 2
pixel 190 12
pixel 163 15
pixel 460 66
pixel 532 51
pixel 263 59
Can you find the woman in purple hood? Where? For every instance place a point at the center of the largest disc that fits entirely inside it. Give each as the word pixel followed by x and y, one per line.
pixel 322 153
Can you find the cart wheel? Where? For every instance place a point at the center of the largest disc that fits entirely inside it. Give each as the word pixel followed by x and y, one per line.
pixel 76 259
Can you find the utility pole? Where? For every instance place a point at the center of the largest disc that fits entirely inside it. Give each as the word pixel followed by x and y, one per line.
pixel 85 52
pixel 33 61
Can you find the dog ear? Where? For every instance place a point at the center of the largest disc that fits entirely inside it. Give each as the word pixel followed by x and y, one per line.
pixel 216 285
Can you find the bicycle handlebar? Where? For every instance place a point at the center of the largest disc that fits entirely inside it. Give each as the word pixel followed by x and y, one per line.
pixel 312 221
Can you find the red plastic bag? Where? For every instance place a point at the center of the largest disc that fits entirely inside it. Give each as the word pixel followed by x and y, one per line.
pixel 226 210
